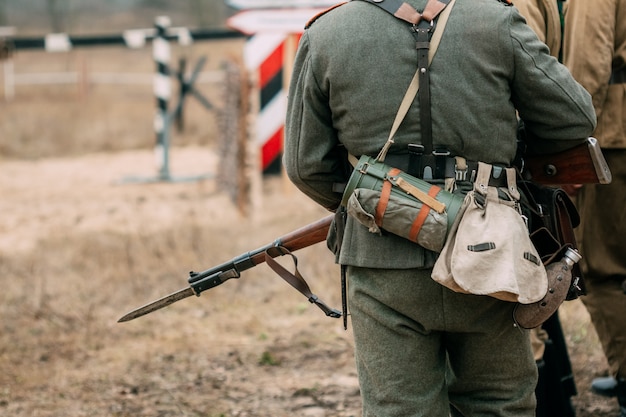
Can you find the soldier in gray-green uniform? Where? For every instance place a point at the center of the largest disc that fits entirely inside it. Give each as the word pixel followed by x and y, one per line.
pixel 351 71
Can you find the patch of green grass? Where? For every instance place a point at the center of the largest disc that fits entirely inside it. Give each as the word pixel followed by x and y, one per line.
pixel 267 359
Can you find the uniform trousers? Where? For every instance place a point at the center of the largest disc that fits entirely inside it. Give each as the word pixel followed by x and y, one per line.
pixel 420 348
pixel 601 238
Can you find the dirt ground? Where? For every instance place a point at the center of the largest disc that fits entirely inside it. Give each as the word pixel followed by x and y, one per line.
pixel 83 240
pixel 80 247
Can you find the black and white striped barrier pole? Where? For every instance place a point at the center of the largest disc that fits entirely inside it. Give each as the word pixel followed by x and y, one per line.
pixel 162 91
pixel 160 36
pixel 134 38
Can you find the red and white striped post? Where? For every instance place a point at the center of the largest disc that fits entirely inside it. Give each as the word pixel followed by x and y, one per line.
pixel 264 57
pixel 268 57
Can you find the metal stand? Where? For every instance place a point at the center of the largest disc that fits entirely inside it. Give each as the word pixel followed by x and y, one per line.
pixel 163 118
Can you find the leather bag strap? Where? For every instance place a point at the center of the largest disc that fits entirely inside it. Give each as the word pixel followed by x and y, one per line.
pixel 385 193
pixel 421 215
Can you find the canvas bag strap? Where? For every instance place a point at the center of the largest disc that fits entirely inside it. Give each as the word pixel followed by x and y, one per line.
pixel 399 9
pixel 481 185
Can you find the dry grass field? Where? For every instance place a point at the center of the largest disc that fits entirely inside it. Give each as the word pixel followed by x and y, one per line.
pixel 79 247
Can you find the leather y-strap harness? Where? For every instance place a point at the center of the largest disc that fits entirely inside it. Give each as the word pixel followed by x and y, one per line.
pixel 406 12
pixel 422 28
pixel 422 33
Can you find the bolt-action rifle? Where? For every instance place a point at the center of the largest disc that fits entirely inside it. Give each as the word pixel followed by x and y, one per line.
pixel 580 165
pixel 201 281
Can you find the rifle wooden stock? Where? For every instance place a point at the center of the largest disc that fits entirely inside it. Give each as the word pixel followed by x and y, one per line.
pixel 298 239
pixel 307 235
pixel 583 164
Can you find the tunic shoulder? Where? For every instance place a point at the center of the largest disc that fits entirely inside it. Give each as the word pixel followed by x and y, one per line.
pixel 320 14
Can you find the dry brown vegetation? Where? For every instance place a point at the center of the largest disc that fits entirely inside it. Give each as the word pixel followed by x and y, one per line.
pixel 80 246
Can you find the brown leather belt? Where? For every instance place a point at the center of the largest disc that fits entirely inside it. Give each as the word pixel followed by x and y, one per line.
pixel 401 162
pixel 497 178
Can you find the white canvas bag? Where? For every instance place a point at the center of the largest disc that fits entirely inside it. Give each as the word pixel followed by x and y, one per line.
pixel 489 251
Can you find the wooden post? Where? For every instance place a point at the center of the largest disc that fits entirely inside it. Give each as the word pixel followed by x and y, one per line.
pixel 291 45
pixel 9 79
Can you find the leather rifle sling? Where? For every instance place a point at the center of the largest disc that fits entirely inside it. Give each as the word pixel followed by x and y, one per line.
pixel 295 279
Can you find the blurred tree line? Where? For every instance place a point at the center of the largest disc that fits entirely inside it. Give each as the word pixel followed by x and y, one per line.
pixel 91 16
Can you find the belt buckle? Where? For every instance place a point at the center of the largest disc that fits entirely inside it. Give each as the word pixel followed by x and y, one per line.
pixel 460 174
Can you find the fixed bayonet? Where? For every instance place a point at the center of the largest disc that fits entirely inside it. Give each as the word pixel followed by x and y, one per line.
pixel 201 281
pixel 158 304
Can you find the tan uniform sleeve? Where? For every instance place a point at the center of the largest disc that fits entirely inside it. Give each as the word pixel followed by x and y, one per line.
pixel 543 17
pixel 594 45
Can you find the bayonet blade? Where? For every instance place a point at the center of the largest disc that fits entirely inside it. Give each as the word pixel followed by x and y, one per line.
pixel 158 304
